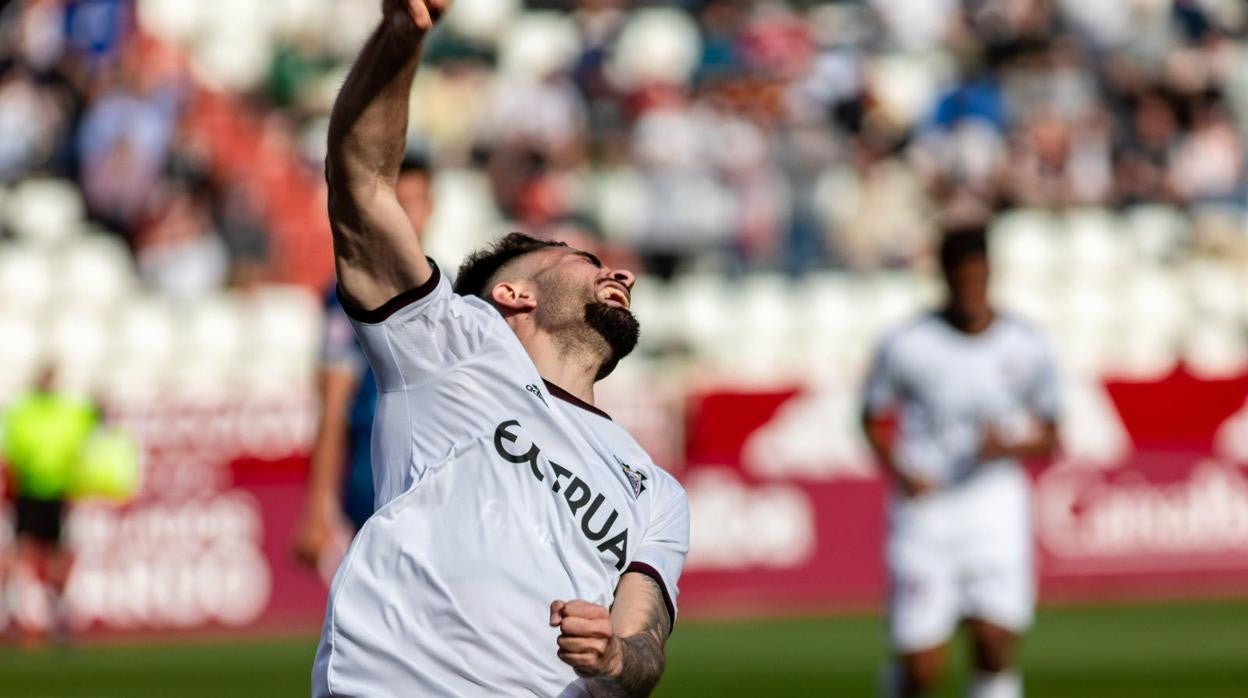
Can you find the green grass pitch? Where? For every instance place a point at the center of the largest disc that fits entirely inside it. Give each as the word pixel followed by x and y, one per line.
pixel 1194 649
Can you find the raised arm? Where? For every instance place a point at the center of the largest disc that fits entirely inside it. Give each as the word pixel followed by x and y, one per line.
pixel 376 250
pixel 619 652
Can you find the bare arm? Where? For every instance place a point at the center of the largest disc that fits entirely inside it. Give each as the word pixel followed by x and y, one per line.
pixel 336 387
pixel 619 652
pixel 876 431
pixel 376 250
pixel 1039 444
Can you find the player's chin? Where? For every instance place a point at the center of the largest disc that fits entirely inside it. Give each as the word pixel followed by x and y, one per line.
pixel 618 326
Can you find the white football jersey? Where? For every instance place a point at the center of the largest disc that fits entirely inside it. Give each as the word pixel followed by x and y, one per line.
pixel 497 494
pixel 950 387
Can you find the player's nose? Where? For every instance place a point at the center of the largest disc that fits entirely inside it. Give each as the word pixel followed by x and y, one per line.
pixel 623 276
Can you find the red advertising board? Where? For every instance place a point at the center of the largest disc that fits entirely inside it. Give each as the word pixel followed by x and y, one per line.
pixel 1150 500
pixel 1153 501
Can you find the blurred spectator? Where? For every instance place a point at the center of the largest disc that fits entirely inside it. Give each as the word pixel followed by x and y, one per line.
pixel 720 135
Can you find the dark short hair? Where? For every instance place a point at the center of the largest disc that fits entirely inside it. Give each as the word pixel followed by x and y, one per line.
pixel 481 266
pixel 415 162
pixel 962 243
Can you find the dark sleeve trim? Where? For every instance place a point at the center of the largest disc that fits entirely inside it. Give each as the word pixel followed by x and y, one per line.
pixel 394 305
pixel 643 568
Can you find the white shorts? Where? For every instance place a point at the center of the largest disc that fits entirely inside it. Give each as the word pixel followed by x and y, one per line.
pixel 964 552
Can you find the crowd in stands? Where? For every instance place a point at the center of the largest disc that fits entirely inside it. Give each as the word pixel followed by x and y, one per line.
pixel 721 135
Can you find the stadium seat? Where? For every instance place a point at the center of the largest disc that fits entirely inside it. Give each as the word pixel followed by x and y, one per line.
pixel 283 325
pixel 1158 232
pixel 175 21
pixel 20 353
pixel 78 343
pixel 483 20
pixel 538 44
pixel 1217 287
pixel 907 84
pixel 144 335
pixel 656 310
pixel 704 306
pixel 45 211
pixel 1216 350
pixel 95 271
pixel 465 219
pixel 622 204
pixel 26 278
pixel 1025 243
pixel 1098 246
pixel 657 45
pixel 211 331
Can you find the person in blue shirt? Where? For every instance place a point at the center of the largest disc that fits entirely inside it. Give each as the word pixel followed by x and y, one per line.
pixel 340 477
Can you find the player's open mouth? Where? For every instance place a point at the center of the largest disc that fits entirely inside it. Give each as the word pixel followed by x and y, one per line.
pixel 614 295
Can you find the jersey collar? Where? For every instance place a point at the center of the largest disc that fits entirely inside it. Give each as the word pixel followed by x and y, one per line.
pixel 573 400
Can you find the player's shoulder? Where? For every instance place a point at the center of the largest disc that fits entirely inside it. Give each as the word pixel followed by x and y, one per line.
pixel 914 330
pixel 1020 328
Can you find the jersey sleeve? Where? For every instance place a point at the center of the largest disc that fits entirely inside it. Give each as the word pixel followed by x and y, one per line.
pixel 1044 394
pixel 881 392
pixel 420 334
pixel 661 554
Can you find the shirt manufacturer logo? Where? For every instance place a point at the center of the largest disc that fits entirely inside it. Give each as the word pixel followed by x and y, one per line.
pixel 538 392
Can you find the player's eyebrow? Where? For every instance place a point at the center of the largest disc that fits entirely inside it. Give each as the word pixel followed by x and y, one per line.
pixel 593 259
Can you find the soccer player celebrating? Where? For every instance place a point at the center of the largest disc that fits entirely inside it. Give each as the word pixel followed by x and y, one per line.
pixel 524 544
pixel 974 392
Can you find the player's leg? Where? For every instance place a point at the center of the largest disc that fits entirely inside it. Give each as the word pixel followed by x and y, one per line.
pixel 992 652
pixel 923 605
pixel 998 590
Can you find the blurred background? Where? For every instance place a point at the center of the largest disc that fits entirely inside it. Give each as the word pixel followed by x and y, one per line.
pixel 774 171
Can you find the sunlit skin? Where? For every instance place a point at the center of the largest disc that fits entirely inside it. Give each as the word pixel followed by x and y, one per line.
pixel 542 296
pixel 968 306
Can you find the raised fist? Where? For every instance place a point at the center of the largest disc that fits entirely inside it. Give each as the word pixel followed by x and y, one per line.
pixel 586 640
pixel 412 19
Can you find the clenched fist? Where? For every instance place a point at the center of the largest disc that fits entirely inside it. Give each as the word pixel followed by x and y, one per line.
pixel 587 642
pixel 412 19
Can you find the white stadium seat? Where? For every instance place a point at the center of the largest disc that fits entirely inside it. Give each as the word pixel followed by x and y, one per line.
pixel 704 306
pixel 1098 245
pixel 80 339
pixel 538 44
pixel 20 354
pixel 657 45
pixel 211 331
pixel 1157 232
pixel 1216 350
pixel 26 278
pixel 483 20
pixel 1025 242
pixel 96 271
pixel 282 324
pixel 45 211
pixel 144 335
pixel 1217 287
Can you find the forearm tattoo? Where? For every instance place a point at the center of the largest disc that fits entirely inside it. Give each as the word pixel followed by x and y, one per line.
pixel 643 658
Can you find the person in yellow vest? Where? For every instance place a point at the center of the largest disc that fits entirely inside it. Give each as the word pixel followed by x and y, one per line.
pixel 43 442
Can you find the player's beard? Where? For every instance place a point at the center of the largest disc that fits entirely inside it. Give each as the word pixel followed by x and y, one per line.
pixel 618 328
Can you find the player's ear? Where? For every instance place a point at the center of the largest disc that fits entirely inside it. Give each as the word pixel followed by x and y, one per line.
pixel 514 296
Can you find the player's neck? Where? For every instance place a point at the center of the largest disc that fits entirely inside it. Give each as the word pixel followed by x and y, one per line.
pixel 567 362
pixel 971 324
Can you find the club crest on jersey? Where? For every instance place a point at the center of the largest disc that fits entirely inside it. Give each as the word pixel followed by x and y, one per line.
pixel 636 478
